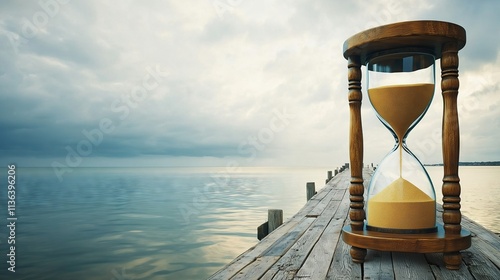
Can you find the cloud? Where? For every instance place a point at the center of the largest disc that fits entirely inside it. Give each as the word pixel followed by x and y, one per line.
pixel 478 19
pixel 227 75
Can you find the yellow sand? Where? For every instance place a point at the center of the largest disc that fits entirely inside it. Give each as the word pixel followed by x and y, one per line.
pixel 401 205
pixel 401 105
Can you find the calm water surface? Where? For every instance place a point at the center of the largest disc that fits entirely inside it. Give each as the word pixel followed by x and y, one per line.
pixel 142 223
pixel 480 193
pixel 168 223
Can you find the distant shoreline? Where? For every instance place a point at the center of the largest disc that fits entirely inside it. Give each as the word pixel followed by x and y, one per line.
pixel 470 163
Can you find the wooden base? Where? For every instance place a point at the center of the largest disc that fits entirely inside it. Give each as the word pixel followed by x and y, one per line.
pixel 436 242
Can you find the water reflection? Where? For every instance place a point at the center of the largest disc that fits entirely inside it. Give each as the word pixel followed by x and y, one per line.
pixel 114 223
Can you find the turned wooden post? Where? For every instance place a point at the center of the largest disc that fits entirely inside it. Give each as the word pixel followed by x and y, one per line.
pixel 451 149
pixel 356 188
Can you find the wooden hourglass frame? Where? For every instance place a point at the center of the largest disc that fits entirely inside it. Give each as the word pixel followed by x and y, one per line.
pixel 443 40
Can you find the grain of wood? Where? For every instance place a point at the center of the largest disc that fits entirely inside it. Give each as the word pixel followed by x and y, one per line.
pixel 312 203
pixel 324 202
pixel 256 269
pixel 342 267
pixel 482 233
pixel 487 250
pixel 295 257
pixel 288 239
pixel 335 181
pixel 479 265
pixel 317 263
pixel 378 266
pixel 429 34
pixel 436 263
pixel 411 266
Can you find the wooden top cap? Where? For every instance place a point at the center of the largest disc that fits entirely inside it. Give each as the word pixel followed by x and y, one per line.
pixel 419 34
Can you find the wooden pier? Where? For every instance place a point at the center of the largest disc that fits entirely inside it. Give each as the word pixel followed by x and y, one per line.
pixel 309 246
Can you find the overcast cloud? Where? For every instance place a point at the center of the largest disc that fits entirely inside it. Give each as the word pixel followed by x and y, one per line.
pixel 158 83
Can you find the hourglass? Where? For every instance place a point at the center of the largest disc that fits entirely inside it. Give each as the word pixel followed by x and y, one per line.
pixel 401 203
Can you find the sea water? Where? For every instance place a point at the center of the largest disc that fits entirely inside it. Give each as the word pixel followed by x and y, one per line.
pixel 142 223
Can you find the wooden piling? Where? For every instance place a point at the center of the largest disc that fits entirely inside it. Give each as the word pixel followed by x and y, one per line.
pixel 328 177
pixel 310 190
pixel 274 219
pixel 263 230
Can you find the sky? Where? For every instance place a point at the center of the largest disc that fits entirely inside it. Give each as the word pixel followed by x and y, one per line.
pixel 219 82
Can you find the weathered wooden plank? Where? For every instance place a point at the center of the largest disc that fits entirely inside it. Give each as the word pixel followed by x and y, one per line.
pixel 481 232
pixel 291 262
pixel 411 266
pixel 288 239
pixel 479 265
pixel 321 194
pixel 439 270
pixel 343 210
pixel 312 203
pixel 487 250
pixel 342 266
pixel 339 196
pixel 335 180
pixel 256 269
pixel 333 194
pixel 344 182
pixel 378 266
pixel 317 263
pixel 282 275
